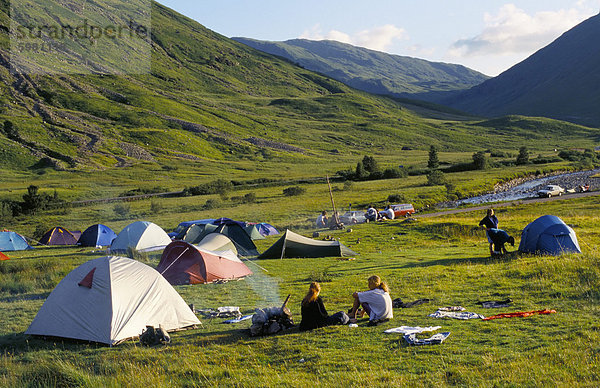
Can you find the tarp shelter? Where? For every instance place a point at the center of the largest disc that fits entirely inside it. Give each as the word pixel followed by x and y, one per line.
pixel 97 236
pixel 58 236
pixel 194 233
pixel 11 241
pixel 183 263
pixel 549 235
pixel 217 242
pixel 142 236
pixel 109 300
pixel 253 231
pixel 179 231
pixel 295 245
pixel 266 229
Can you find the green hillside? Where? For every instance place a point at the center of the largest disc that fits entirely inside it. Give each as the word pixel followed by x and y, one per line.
pixel 213 107
pixel 560 81
pixel 372 71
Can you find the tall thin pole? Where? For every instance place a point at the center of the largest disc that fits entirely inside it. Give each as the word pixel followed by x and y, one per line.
pixel 335 215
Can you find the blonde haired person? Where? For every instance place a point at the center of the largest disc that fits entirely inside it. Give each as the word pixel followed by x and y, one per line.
pixel 376 302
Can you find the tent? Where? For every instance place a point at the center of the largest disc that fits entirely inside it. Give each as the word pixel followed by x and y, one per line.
pixel 11 241
pixel 109 300
pixel 266 229
pixel 549 235
pixel 228 221
pixel 295 245
pixel 142 236
pixel 179 231
pixel 217 242
pixel 254 232
pixel 97 236
pixel 58 236
pixel 184 263
pixel 240 238
pixel 196 232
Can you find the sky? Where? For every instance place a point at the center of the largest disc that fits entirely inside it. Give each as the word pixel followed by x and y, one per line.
pixel 489 36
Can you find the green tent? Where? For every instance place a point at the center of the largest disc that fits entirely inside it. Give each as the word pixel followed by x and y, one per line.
pixel 253 231
pixel 295 245
pixel 196 232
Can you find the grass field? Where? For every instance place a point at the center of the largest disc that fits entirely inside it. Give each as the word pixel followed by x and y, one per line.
pixel 444 259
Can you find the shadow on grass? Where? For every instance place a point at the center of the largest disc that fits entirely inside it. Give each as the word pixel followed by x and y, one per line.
pixel 510 256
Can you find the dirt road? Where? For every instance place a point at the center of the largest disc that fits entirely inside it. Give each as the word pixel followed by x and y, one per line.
pixel 510 203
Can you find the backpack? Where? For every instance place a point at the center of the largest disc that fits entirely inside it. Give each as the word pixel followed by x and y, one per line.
pixel 154 336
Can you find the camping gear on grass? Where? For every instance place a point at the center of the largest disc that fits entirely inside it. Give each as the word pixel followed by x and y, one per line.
pixel 519 314
pixel 142 236
pixel 549 235
pixel 295 245
pixel 154 336
pixel 463 315
pixel 97 236
pixel 271 320
pixel 58 236
pixel 3 257
pixel 436 339
pixel 109 300
pixel 11 241
pixel 184 263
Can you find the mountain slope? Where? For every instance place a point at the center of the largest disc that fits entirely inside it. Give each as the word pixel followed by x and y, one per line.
pixel 213 107
pixel 369 70
pixel 560 81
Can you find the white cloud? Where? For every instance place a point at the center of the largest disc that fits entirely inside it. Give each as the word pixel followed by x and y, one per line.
pixel 378 38
pixel 513 31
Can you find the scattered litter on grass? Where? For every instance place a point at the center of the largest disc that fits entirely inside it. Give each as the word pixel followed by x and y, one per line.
pixel 236 320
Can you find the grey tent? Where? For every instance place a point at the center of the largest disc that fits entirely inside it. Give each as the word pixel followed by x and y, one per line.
pixel 196 232
pixel 254 232
pixel 295 245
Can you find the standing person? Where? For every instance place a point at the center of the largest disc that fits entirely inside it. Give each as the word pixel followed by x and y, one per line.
pixel 376 302
pixel 322 220
pixel 313 311
pixel 490 221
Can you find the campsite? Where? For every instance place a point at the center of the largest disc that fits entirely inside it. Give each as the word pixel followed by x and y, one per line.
pixel 441 259
pixel 160 192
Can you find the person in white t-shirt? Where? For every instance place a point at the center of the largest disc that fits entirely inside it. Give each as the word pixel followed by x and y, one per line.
pixel 388 213
pixel 376 302
pixel 322 220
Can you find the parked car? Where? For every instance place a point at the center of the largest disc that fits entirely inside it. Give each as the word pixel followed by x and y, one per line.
pixel 403 210
pixel 550 191
pixel 353 217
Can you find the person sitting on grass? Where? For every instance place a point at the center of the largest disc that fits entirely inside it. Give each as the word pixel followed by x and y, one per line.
pixel 313 311
pixel 371 215
pixel 322 220
pixel 499 237
pixel 376 302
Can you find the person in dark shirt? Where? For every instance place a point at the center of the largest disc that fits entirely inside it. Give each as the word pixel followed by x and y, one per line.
pixel 313 310
pixel 490 221
pixel 499 237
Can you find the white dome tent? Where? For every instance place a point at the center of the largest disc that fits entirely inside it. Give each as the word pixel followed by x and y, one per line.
pixel 109 300
pixel 142 236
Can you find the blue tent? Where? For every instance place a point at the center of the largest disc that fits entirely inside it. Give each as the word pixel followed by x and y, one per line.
pixel 97 236
pixel 11 241
pixel 549 235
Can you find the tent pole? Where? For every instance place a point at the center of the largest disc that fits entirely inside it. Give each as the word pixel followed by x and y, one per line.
pixel 250 261
pixel 165 270
pixel 335 215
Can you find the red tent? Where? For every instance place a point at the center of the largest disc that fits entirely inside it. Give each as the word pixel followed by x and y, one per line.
pixel 184 263
pixel 3 256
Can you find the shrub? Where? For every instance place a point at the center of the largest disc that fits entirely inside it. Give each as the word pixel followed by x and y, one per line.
pixel 121 210
pixel 348 185
pixel 480 161
pixel 212 203
pixel 293 191
pixel 156 207
pixel 436 178
pixel 219 186
pixel 523 157
pixel 396 198
pixel 433 161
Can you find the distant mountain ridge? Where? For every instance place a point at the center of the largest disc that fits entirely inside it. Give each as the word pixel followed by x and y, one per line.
pixel 372 71
pixel 560 81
